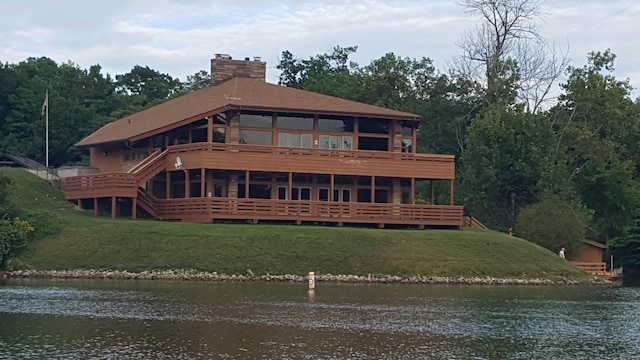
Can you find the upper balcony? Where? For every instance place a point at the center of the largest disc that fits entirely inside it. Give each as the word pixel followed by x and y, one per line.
pixel 313 161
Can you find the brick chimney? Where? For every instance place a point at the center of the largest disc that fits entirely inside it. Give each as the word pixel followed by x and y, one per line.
pixel 223 68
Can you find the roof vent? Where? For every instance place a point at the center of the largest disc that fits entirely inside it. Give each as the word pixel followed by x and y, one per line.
pixel 246 59
pixel 256 58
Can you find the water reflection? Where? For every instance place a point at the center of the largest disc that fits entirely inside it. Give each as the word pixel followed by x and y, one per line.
pixel 188 320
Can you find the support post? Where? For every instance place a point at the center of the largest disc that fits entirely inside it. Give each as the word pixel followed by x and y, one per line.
pixel 373 188
pixel 202 183
pixel 432 200
pixel 210 128
pixel 331 187
pixel 290 184
pixel 246 184
pixel 95 207
pixel 451 192
pixel 412 194
pixel 114 210
pixel 187 185
pixel 167 193
pixel 134 207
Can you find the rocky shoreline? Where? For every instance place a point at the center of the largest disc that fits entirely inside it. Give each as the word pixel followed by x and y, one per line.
pixel 186 275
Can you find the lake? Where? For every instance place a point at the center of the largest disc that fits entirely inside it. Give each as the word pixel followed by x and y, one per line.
pixel 102 319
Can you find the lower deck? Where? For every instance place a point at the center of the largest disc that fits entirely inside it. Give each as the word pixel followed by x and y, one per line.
pixel 206 210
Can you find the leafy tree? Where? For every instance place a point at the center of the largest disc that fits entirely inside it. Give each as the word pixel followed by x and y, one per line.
pixel 506 154
pixel 199 80
pixel 144 81
pixel 626 247
pixel 329 73
pixel 598 127
pixel 554 223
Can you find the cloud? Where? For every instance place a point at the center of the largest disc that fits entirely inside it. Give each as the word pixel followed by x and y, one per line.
pixel 180 37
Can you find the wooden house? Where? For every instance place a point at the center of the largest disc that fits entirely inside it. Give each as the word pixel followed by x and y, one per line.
pixel 244 149
pixel 590 257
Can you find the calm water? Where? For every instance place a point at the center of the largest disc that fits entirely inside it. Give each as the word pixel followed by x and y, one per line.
pixel 44 319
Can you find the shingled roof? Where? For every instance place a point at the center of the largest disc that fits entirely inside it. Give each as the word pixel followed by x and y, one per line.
pixel 237 93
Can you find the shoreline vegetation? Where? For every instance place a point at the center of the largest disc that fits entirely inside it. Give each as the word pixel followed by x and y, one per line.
pixel 190 275
pixel 67 240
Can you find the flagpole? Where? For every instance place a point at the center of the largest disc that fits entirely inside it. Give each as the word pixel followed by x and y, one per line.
pixel 46 125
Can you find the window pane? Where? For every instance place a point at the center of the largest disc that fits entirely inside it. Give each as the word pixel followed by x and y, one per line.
pixel 295 122
pixel 306 141
pixel 340 125
pixel 374 126
pixel 325 142
pixel 407 129
pixel 305 193
pixel 346 195
pixel 219 135
pixel 347 142
pixel 336 194
pixel 283 139
pixel 294 140
pixel 295 193
pixel 336 142
pixel 323 194
pixel 373 143
pixel 220 119
pixel 407 145
pixel 282 193
pixel 255 120
pixel 255 137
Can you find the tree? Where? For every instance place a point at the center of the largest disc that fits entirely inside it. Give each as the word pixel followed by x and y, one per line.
pixel 199 80
pixel 506 154
pixel 329 73
pixel 598 127
pixel 147 82
pixel 507 55
pixel 554 223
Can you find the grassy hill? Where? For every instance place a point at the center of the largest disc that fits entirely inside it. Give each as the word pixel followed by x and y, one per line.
pixel 67 239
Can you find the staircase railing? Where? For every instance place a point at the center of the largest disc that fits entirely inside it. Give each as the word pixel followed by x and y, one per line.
pixel 149 167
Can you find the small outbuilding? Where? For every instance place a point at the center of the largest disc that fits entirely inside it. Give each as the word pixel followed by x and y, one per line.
pixel 590 257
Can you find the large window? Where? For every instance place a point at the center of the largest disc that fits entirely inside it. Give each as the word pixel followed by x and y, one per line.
pixel 301 122
pixel 407 129
pixel 336 142
pixel 335 124
pixel 297 193
pixel 373 126
pixel 339 195
pixel 255 120
pixel 295 140
pixel 373 143
pixel 256 137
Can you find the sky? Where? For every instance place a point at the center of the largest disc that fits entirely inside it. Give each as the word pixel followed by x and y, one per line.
pixel 179 38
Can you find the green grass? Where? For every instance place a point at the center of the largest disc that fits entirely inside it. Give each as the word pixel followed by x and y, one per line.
pixel 69 239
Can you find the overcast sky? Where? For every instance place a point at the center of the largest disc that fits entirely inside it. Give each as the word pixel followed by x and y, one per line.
pixel 180 37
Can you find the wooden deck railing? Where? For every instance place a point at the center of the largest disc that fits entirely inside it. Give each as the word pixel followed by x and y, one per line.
pixel 208 209
pixel 99 185
pixel 275 150
pixel 598 268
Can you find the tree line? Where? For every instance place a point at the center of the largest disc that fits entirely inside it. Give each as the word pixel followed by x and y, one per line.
pixel 80 102
pixel 555 166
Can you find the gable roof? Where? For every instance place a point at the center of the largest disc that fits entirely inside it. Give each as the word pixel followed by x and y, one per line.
pixel 594 243
pixel 236 93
